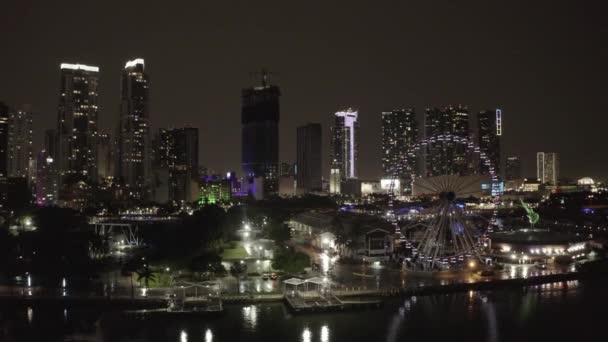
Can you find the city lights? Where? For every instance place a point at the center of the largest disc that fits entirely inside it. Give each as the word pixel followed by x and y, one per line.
pixel 392 175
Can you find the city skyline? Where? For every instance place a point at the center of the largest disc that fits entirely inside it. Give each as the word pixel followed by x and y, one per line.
pixel 521 78
pixel 244 171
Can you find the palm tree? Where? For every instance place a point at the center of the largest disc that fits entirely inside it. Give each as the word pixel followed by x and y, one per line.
pixel 146 274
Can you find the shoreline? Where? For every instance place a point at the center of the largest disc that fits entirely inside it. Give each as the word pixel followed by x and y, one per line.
pixel 480 285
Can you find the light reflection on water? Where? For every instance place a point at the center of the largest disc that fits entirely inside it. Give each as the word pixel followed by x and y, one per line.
pixel 208 335
pixel 250 317
pixel 30 315
pixel 306 335
pixel 485 316
pixel 325 333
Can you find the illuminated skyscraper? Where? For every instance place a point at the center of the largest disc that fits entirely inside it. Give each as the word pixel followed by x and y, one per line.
pixel 443 155
pixel 547 167
pixel 260 133
pixel 399 134
pixel 46 180
pixel 344 145
pixel 20 135
pixel 335 181
pixel 513 168
pixel 105 156
pixel 177 152
pixel 4 112
pixel 309 161
pixel 133 138
pixel 77 121
pixel 177 149
pixel 50 143
pixel 490 130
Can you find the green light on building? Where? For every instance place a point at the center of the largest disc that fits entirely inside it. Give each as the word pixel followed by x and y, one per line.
pixel 215 192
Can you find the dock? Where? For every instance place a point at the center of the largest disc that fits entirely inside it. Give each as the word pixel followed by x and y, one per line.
pixel 312 301
pixel 190 307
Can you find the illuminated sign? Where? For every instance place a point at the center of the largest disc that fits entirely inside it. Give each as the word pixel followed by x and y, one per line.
pixel 385 184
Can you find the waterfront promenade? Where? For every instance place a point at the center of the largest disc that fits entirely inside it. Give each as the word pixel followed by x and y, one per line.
pixel 158 297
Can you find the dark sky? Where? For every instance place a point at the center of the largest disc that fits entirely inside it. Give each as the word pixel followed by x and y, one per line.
pixel 545 63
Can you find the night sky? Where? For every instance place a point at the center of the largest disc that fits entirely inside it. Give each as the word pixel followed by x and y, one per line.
pixel 545 63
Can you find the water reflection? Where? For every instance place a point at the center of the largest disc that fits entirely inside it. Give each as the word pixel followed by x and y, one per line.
pixel 30 315
pixel 306 335
pixel 324 334
pixel 250 316
pixel 490 313
pixel 398 319
pixel 208 335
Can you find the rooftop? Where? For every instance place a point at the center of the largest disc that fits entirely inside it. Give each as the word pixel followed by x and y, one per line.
pixel 535 237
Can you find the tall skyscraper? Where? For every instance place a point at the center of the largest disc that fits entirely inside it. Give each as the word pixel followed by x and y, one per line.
pixel 512 168
pixel 77 121
pixel 50 143
pixel 177 152
pixel 399 134
pixel 287 169
pixel 4 112
pixel 260 133
pixel 177 149
pixel 133 137
pixel 345 145
pixel 20 135
pixel 46 180
pixel 444 155
pixel 489 123
pixel 309 159
pixel 105 156
pixel 547 167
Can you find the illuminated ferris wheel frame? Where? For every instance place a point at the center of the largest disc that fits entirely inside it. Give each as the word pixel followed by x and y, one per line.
pixel 448 241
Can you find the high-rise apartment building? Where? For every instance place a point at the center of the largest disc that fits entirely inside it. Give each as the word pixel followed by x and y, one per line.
pixel 489 124
pixel 50 143
pixel 547 167
pixel 260 116
pixel 309 158
pixel 4 113
pixel 177 149
pixel 20 136
pixel 46 180
pixel 133 133
pixel 177 152
pixel 513 168
pixel 77 121
pixel 445 154
pixel 399 134
pixel 106 159
pixel 344 145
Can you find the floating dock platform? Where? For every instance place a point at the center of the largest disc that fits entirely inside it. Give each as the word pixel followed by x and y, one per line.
pixel 298 303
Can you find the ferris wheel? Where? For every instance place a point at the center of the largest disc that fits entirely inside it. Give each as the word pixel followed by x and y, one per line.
pixel 445 238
